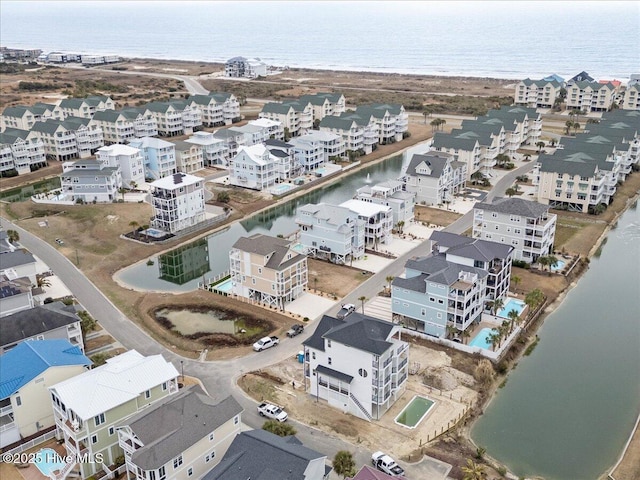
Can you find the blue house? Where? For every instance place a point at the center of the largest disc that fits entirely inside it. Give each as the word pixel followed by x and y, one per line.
pixel 26 372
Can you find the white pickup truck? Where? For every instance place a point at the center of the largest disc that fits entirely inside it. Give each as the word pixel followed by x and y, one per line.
pixel 265 342
pixel 386 464
pixel 272 411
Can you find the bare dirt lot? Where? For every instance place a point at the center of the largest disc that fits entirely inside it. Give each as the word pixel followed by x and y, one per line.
pixel 435 216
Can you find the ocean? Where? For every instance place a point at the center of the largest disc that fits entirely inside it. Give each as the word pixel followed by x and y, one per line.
pixel 510 40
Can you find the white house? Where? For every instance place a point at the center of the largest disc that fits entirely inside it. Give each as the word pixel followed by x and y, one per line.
pixel 590 96
pixel 85 107
pixel 525 225
pixel 296 116
pixel 537 93
pixel 159 156
pixel 253 167
pixel 129 159
pixel 308 153
pixel 90 181
pixel 434 177
pixel 215 151
pixel 378 221
pixel 178 202
pixel 245 67
pixel 274 129
pixel 332 144
pixel 390 194
pixel 189 157
pixel 19 152
pixel 217 108
pixel 358 364
pixel 72 138
pixel 631 99
pixel 325 104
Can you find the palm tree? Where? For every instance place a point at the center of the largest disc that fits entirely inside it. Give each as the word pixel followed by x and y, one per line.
pixel 42 282
pixel 473 471
pixel 465 334
pixel 13 236
pixel 502 159
pixel 527 157
pixel 389 279
pixel 451 331
pixel 400 225
pixel 362 299
pixel 494 339
pixel 540 146
pixel 534 298
pixel 543 261
pixel 121 191
pixel 515 280
pixel 553 261
pixel 344 464
pixel 134 225
pixel 495 305
pixel 576 126
pixel 477 176
pixel 510 192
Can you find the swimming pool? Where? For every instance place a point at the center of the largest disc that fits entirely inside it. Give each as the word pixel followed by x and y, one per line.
pixel 482 339
pixel 512 304
pixel 153 232
pixel 47 461
pixel 280 189
pixel 223 286
pixel 559 266
pixel 414 412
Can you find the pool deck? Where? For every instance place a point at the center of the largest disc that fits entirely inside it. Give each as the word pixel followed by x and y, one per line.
pixel 32 472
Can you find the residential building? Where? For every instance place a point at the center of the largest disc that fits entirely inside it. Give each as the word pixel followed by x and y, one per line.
pixel 253 167
pixel 256 454
pixel 332 144
pixel 523 126
pixel 128 158
pixel 349 130
pixel 20 153
pixel 390 194
pixel 464 146
pixel 358 364
pixel 51 321
pixel 89 407
pixel 232 141
pixel 90 181
pixel 631 100
pixel 144 123
pixel 175 118
pixel 61 57
pixel 245 67
pixel 370 473
pixel 284 158
pixel 434 177
pixel 590 96
pixel 181 436
pixel 178 202
pixel 85 107
pixel 525 225
pixel 191 115
pixel 253 134
pixel 308 153
pixel 17 264
pixel 451 285
pixel 98 59
pixel 189 157
pixel 537 93
pixel 295 116
pixel 159 156
pixel 492 139
pixel 378 220
pixel 217 108
pixel 331 232
pixel 325 104
pixel 115 126
pixel 267 269
pixel 215 151
pixel 28 370
pixel 24 117
pixel 15 295
pixel 274 129
pixel 74 137
pixel 582 77
pixel 392 120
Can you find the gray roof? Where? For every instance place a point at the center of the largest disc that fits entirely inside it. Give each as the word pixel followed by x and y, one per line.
pixel 181 146
pixel 266 245
pixel 541 83
pixel 473 248
pixel 217 97
pixel 436 161
pixel 107 116
pixel 459 142
pixel 378 110
pixel 514 206
pixel 435 268
pixel 15 259
pixel 320 98
pixel 35 321
pixel 580 164
pixel 274 107
pixel 272 142
pixel 17 111
pixel 159 107
pixel 72 103
pixel 261 455
pixel 330 372
pixel 339 123
pixel 355 330
pixel 179 421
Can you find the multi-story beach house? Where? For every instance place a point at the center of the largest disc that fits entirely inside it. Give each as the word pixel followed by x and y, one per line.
pixel 274 130
pixel 358 364
pixel 358 134
pixel 20 153
pixel 434 177
pixel 308 153
pixel 85 107
pixel 631 99
pixel 182 436
pixel 590 96
pixel 523 126
pixel 24 117
pixel 525 225
pixel 174 118
pixel 267 269
pixel 17 264
pixel 377 218
pixel 332 144
pixel 74 137
pixel 217 108
pixel 232 141
pixel 144 123
pixel 491 136
pixel 451 285
pixel 242 67
pixel 325 104
pixel 15 295
pixel 537 93
pixel 128 158
pixel 178 202
pixel 296 116
pixel 51 321
pixel 88 408
pixel 463 146
pixel 27 371
pixel 159 156
pixel 391 194
pixel 115 126
pixel 189 157
pixel 258 453
pixel 253 167
pixel 392 120
pixel 252 134
pixel 87 181
pixel 283 155
pixel 215 150
pixel 331 232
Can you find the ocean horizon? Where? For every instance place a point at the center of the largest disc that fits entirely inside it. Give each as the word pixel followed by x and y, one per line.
pixel 506 40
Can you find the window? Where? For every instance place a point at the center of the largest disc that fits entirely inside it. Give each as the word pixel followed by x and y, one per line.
pixel 147 394
pixel 362 372
pixel 494 215
pixel 212 436
pixel 259 270
pixel 190 471
pixel 111 431
pixel 18 401
pixel 329 343
pixel 329 360
pixel 313 355
pixel 423 311
pixel 164 386
pixel 432 299
pixel 236 420
pixel 439 315
pixel 99 419
pixel 177 462
pixel 440 301
pixel 94 439
pixel 162 474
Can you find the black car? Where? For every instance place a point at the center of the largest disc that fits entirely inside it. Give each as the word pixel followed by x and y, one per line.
pixel 296 329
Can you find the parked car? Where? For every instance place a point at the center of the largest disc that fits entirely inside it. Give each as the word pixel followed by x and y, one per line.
pixel 386 464
pixel 346 309
pixel 296 329
pixel 265 342
pixel 272 411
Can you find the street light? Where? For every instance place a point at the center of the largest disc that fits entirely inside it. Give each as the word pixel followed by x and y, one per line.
pixel 182 369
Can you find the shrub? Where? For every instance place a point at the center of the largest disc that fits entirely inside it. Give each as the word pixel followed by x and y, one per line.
pixel 484 373
pixel 279 428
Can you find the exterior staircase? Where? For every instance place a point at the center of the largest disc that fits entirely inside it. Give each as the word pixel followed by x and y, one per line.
pixel 63 473
pixel 360 407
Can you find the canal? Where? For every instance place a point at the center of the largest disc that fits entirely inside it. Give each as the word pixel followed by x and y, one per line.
pixel 181 269
pixel 568 409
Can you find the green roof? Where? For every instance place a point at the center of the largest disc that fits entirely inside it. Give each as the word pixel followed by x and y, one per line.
pixel 107 116
pixel 459 142
pixel 274 107
pixel 339 123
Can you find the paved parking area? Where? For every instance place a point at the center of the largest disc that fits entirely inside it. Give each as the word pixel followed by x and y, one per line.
pixel 310 305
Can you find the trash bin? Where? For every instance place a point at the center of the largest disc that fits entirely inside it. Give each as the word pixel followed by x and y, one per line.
pixel 300 357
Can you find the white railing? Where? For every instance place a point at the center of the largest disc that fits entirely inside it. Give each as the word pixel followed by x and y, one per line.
pixel 32 443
